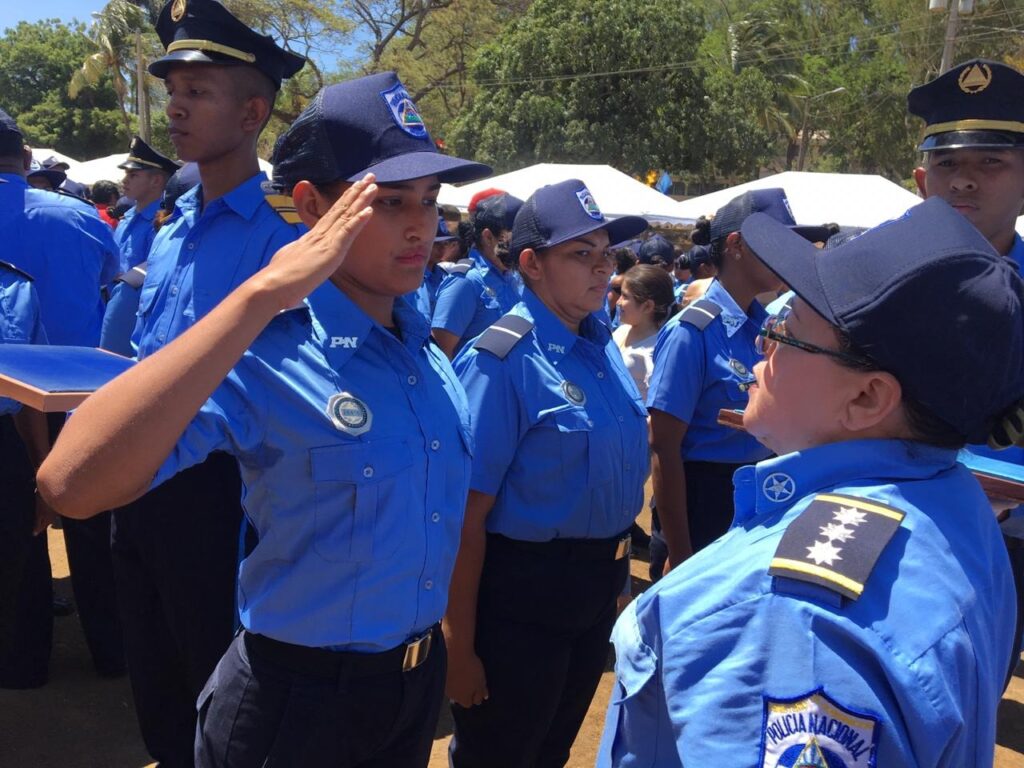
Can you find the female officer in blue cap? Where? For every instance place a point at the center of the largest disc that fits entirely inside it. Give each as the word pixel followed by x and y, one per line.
pixel 351 431
pixel 559 464
pixel 860 610
pixel 702 364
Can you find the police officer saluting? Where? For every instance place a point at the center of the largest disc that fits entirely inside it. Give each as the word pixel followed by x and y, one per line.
pixel 146 175
pixel 860 610
pixel 176 549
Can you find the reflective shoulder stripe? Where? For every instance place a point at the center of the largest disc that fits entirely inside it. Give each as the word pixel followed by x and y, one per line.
pixel 134 277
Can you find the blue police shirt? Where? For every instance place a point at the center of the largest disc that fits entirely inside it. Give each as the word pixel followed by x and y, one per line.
pixel 134 235
pixel 233 237
pixel 68 250
pixel 20 321
pixel 423 297
pixel 697 373
pixel 119 319
pixel 559 429
pixel 353 450
pixel 467 305
pixel 1017 252
pixel 719 664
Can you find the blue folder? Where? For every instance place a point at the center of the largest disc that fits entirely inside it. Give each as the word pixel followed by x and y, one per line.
pixel 55 378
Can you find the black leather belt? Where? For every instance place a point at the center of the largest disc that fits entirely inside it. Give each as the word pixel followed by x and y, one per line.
pixel 323 662
pixel 572 550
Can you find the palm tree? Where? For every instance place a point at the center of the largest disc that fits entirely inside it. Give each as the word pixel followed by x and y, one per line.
pixel 117 33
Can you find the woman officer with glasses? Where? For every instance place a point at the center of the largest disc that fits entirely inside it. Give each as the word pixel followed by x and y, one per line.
pixel 702 363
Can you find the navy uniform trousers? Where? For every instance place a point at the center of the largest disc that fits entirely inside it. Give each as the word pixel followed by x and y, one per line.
pixel 175 553
pixel 544 616
pixel 709 509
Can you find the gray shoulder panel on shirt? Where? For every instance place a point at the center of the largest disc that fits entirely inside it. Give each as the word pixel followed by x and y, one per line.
pixel 700 314
pixel 501 337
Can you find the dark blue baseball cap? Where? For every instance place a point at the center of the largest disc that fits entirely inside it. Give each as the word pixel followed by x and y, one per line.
pixel 496 213
pixel 656 250
pixel 443 235
pixel 561 212
pixel 8 125
pixel 366 125
pixel 926 298
pixel 205 32
pixel 772 202
pixel 181 181
pixel 977 104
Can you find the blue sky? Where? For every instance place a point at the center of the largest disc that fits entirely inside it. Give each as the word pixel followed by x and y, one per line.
pixel 12 12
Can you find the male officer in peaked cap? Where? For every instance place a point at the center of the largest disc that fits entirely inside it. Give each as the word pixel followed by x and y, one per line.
pixel 146 175
pixel 973 141
pixel 176 548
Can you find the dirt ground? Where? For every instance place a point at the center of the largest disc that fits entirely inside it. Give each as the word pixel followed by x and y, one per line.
pixel 81 721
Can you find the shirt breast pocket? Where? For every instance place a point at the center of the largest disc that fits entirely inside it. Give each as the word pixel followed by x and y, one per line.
pixel 147 297
pixel 361 492
pixel 579 451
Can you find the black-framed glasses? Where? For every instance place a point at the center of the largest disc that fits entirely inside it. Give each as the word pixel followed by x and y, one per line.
pixel 773 331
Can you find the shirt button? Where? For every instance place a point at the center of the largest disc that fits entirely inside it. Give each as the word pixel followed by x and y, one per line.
pixel 622 418
pixel 412 381
pixel 590 422
pixel 436 517
pixel 600 374
pixel 435 444
pixel 367 471
pixel 428 584
pixel 174 290
pixel 191 246
pixel 160 337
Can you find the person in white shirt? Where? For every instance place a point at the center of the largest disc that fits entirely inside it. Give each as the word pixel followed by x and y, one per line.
pixel 647 301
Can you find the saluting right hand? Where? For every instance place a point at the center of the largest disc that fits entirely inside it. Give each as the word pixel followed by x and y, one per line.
pixel 466 684
pixel 300 267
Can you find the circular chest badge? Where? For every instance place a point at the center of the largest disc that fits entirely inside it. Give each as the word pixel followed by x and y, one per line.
pixel 573 393
pixel 739 368
pixel 349 414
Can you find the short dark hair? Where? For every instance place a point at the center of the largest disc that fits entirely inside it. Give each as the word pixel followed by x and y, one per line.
pixel 104 192
pixel 11 145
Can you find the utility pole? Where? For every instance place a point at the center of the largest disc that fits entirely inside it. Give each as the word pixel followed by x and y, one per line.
pixel 952 27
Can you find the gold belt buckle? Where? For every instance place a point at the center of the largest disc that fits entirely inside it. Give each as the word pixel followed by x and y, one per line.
pixel 622 549
pixel 416 652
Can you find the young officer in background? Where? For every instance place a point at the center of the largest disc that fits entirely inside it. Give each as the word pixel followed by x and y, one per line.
pixel 146 175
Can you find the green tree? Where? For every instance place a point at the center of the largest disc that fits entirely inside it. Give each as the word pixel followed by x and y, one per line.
pixel 587 81
pixel 36 63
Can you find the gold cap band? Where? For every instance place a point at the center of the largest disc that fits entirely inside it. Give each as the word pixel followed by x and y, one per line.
pixel 974 125
pixel 209 45
pixel 131 159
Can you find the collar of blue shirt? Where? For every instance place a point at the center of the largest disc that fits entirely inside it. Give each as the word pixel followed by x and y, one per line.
pixel 14 178
pixel 1017 252
pixel 776 484
pixel 554 338
pixel 732 316
pixel 245 199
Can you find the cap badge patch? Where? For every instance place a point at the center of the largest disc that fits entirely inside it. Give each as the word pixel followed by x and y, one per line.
pixel 975 79
pixel 573 393
pixel 349 414
pixel 178 10
pixel 813 731
pixel 589 204
pixel 404 111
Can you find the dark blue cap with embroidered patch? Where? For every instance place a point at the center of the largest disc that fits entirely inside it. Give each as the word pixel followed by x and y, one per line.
pixel 142 157
pixel 54 176
pixel 656 250
pixel 771 201
pixel 443 235
pixel 366 125
pixel 964 363
pixel 496 213
pixel 8 124
pixel 561 212
pixel 976 104
pixel 205 32
pixel 181 181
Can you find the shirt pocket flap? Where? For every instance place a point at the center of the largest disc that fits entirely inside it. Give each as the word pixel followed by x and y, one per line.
pixel 360 463
pixel 572 419
pixel 636 663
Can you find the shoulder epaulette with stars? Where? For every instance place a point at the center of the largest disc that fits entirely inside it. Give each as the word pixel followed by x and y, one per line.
pixel 835 543
pixel 284 206
pixel 700 313
pixel 501 337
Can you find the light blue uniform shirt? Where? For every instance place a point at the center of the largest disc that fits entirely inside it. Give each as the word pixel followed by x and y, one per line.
pixel 697 373
pixel 916 665
pixel 467 305
pixel 560 431
pixel 19 319
pixel 353 450
pixel 134 235
pixel 70 253
pixel 202 255
pixel 423 297
pixel 119 319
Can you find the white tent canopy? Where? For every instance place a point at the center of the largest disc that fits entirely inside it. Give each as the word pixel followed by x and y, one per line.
pixel 616 193
pixel 101 168
pixel 847 199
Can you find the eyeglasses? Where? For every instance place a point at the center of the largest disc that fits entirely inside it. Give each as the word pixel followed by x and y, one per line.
pixel 773 331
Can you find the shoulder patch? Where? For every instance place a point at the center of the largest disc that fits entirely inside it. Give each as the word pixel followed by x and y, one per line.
pixel 700 313
pixel 836 542
pixel 501 337
pixel 134 277
pixel 815 731
pixel 284 206
pixel 456 267
pixel 7 265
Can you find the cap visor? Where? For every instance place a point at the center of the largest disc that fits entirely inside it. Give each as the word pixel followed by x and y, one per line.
pixel 812 234
pixel 416 165
pixel 128 165
pixel 161 66
pixel 56 178
pixel 972 140
pixel 619 230
pixel 789 256
pixel 444 239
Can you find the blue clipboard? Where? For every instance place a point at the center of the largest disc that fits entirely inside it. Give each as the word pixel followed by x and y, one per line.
pixel 52 378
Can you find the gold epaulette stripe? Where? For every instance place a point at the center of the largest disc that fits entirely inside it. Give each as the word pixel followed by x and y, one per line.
pixel 285 208
pixel 849 501
pixel 816 570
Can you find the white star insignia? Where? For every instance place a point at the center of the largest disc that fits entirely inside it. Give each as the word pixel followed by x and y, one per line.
pixel 836 532
pixel 823 552
pixel 849 516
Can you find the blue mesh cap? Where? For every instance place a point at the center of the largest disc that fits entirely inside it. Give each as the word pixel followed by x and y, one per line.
pixel 205 32
pixel 772 202
pixel 656 250
pixel 561 212
pixel 964 362
pixel 366 125
pixel 496 213
pixel 443 235
pixel 8 125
